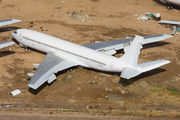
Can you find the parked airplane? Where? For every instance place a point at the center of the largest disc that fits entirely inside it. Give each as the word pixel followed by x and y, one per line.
pixel 170 2
pixel 175 25
pixel 7 22
pixel 62 54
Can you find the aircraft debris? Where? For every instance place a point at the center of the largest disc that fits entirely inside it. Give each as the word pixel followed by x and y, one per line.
pixel 15 92
pixel 30 74
pixel 8 105
pixel 79 16
pixel 149 16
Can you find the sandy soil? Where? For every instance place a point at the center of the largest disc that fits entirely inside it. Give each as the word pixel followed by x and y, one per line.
pixel 155 93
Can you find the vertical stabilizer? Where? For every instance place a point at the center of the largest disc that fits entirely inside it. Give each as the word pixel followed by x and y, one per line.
pixel 132 53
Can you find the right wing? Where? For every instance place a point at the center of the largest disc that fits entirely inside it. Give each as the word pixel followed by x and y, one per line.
pixel 110 46
pixel 6 43
pixel 51 64
pixel 8 21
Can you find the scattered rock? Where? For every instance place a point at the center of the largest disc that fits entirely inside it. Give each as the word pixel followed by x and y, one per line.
pixel 79 89
pixel 172 81
pixel 106 96
pixel 87 107
pixel 98 84
pixel 118 88
pixel 106 89
pixel 115 80
pixel 123 92
pixel 69 77
pixel 104 80
pixel 110 89
pixel 90 82
pixel 111 107
pixel 143 84
pixel 71 101
pixel 100 78
pixel 166 82
pixel 176 79
pixel 120 102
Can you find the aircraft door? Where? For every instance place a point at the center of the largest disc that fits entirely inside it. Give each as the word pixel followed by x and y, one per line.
pixel 112 66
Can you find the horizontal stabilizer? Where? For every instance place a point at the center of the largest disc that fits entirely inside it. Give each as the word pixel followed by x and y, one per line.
pixel 129 73
pixel 142 67
pixel 152 65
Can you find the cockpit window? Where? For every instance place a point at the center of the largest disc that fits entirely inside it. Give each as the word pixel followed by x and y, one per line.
pixel 15 32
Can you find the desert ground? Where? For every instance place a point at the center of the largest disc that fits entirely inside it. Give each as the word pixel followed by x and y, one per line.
pixel 87 92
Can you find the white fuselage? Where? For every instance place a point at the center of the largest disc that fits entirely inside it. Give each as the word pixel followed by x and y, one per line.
pixel 175 2
pixel 85 57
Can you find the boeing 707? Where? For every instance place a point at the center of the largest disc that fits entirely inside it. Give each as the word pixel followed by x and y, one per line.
pixel 63 54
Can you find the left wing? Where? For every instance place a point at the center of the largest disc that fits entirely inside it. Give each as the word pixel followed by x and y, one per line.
pixel 51 64
pixel 109 47
pixel 9 21
pixel 6 43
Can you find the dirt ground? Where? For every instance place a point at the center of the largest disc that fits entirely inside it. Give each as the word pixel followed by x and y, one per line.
pixel 151 94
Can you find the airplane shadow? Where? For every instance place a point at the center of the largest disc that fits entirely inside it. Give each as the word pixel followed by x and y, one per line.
pixel 5 53
pixel 125 82
pixel 35 92
pixel 164 4
pixel 155 44
pixel 5 29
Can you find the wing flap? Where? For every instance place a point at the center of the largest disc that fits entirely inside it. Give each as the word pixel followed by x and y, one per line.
pixel 45 72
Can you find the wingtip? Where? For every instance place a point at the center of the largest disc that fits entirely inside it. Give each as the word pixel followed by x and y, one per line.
pixel 16 20
pixel 167 36
pixel 32 86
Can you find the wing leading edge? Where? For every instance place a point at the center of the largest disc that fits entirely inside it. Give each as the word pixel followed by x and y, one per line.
pixel 122 43
pixel 45 72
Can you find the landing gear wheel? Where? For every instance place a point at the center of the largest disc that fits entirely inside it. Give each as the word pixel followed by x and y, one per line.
pixel 169 7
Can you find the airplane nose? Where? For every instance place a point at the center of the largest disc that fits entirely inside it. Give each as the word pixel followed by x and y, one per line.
pixel 14 34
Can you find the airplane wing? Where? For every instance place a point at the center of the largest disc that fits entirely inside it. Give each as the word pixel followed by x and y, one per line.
pixel 8 21
pixel 50 65
pixel 6 43
pixel 109 47
pixel 169 22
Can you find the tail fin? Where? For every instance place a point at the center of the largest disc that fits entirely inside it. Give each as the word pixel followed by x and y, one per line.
pixel 131 58
pixel 132 53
